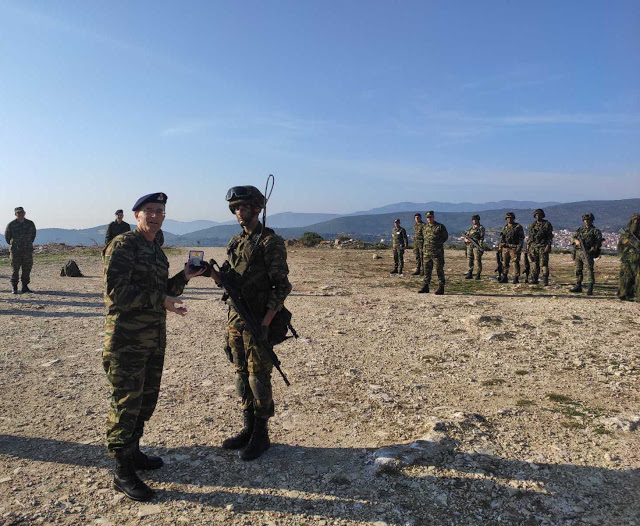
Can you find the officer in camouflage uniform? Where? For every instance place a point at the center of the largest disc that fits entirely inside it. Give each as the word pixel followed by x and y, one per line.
pixel 117 227
pixel 418 242
pixel 138 294
pixel 590 238
pixel 400 243
pixel 434 234
pixel 260 257
pixel 629 248
pixel 20 235
pixel 539 246
pixel 476 232
pixel 511 241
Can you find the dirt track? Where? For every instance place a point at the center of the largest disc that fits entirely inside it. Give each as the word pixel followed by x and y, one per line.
pixel 527 397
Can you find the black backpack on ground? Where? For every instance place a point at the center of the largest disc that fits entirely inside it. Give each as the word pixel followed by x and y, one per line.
pixel 71 270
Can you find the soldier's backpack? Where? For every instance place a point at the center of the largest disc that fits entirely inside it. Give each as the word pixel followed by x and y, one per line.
pixel 280 326
pixel 71 270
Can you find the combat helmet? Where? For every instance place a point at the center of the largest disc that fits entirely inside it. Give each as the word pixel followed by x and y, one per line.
pixel 588 216
pixel 476 217
pixel 244 195
pixel 538 212
pixel 510 214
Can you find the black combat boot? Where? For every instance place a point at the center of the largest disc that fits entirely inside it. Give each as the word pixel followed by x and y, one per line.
pixel 468 275
pixel 424 289
pixel 14 289
pixel 577 287
pixel 241 439
pixel 503 279
pixel 590 289
pixel 416 272
pixel 477 277
pixel 394 271
pixel 534 280
pixel 126 480
pixel 144 462
pixel 545 281
pixel 259 441
pixel 440 290
pixel 25 289
pixel 526 278
pixel 515 280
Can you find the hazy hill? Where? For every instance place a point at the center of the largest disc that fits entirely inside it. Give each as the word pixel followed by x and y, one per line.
pixel 184 227
pixel 438 206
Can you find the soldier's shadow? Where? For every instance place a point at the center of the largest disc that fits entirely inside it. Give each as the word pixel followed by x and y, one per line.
pixel 341 483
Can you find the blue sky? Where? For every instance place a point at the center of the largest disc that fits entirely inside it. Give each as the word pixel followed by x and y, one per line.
pixel 351 104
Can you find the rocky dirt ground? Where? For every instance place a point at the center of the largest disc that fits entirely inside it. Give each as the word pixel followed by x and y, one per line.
pixel 493 404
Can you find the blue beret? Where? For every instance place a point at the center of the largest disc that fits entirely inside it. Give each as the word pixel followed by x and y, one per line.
pixel 158 197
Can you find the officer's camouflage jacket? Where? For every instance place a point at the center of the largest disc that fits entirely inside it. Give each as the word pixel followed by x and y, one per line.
pixel 434 237
pixel 399 237
pixel 540 234
pixel 418 237
pixel 20 236
pixel 115 229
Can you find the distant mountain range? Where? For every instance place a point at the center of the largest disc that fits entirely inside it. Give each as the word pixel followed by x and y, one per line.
pixel 373 225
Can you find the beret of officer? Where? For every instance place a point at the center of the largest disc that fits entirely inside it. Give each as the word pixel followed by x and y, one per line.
pixel 119 211
pixel 158 197
pixel 429 214
pixel 18 209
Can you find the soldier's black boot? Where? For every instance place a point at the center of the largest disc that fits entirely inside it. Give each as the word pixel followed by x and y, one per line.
pixel 590 289
pixel 25 289
pixel 577 287
pixel 477 277
pixel 241 439
pixel 14 289
pixel 440 290
pixel 515 280
pixel 416 272
pixel 126 480
pixel 394 271
pixel 503 279
pixel 545 281
pixel 526 278
pixel 534 279
pixel 144 462
pixel 259 441
pixel 468 275
pixel 424 289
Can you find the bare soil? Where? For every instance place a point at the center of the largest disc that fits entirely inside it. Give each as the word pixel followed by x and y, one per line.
pixel 492 404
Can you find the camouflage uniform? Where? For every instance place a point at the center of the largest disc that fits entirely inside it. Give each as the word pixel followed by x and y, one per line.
pixel 20 237
pixel 539 246
pixel 264 285
pixel 473 254
pixel 115 229
pixel 592 238
pixel 433 247
pixel 511 239
pixel 418 249
pixel 136 278
pixel 400 242
pixel 629 248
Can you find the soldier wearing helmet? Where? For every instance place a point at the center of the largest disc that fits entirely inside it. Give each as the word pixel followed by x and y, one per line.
pixel 539 246
pixel 260 257
pixel 589 238
pixel 629 248
pixel 511 241
pixel 476 232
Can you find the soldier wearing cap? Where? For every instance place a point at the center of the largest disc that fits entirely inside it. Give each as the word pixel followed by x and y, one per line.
pixel 511 241
pixel 589 238
pixel 629 248
pixel 260 257
pixel 20 235
pixel 138 293
pixel 400 243
pixel 539 246
pixel 117 227
pixel 476 232
pixel 418 242
pixel 434 234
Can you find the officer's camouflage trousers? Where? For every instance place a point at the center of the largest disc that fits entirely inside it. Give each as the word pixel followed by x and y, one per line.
pixel 132 357
pixel 474 257
pixel 253 369
pixel 629 285
pixel 511 255
pixel 429 261
pixel 539 256
pixel 419 253
pixel 24 261
pixel 581 263
pixel 398 258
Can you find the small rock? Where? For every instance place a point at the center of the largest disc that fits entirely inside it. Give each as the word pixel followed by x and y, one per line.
pixel 150 509
pixel 207 383
pixel 377 256
pixel 52 362
pixel 5 479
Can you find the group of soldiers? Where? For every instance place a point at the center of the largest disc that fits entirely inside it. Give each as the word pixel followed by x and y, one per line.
pixel 586 241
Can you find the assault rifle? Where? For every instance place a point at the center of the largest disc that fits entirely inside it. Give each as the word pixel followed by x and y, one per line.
pixel 474 243
pixel 229 280
pixel 499 262
pixel 584 250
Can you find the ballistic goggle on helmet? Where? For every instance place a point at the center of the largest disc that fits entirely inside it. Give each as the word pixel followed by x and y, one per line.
pixel 244 195
pixel 538 212
pixel 510 214
pixel 588 216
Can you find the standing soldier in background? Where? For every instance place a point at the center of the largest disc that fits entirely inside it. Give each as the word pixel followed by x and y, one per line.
pixel 117 227
pixel 511 240
pixel 587 242
pixel 20 235
pixel 400 243
pixel 418 241
pixel 539 246
pixel 629 248
pixel 138 293
pixel 435 234
pixel 475 232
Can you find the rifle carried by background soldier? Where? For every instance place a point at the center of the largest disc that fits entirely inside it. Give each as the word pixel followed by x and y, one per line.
pixel 473 242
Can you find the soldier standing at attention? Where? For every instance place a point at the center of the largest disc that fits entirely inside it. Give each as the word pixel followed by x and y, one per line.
pixel 400 242
pixel 20 234
pixel 418 241
pixel 117 227
pixel 589 238
pixel 511 240
pixel 138 293
pixel 539 246
pixel 435 234
pixel 475 232
pixel 629 248
pixel 259 256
